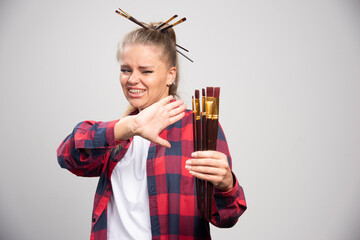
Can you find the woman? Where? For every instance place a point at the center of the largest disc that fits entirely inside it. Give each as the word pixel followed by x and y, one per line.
pixel 145 159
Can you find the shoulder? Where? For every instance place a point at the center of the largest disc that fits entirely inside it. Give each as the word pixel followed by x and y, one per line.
pixel 185 123
pixel 188 118
pixel 188 113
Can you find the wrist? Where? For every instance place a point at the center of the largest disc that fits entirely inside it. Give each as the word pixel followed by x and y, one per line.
pixel 132 125
pixel 231 184
pixel 125 128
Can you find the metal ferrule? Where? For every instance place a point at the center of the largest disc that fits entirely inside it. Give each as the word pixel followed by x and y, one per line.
pixel 209 103
pixel 197 109
pixel 215 114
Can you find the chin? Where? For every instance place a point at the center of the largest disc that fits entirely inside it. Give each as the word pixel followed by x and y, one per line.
pixel 137 104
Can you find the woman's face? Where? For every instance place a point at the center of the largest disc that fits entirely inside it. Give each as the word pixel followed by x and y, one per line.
pixel 145 77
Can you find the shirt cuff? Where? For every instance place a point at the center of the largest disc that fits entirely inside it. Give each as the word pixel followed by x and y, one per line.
pixel 110 140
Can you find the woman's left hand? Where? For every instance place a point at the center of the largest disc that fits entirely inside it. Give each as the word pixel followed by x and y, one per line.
pixel 211 166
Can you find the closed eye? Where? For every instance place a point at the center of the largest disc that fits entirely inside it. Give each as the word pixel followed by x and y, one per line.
pixel 123 70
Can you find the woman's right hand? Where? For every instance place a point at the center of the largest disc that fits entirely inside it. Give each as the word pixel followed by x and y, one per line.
pixel 151 121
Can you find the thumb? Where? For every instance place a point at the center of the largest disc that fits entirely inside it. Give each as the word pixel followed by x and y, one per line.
pixel 162 142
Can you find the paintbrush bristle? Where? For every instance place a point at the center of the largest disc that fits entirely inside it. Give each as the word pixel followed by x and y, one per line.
pixel 193 107
pixel 203 92
pixel 210 91
pixel 197 94
pixel 174 24
pixel 118 12
pixel 217 92
pixel 167 21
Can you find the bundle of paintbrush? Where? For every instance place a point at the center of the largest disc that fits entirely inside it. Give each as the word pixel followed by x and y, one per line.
pixel 205 129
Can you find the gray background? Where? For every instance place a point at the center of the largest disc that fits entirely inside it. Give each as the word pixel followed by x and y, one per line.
pixel 289 73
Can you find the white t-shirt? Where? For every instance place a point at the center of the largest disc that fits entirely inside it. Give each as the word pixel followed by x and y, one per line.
pixel 128 214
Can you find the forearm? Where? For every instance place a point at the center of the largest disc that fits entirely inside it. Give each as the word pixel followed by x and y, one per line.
pixel 84 151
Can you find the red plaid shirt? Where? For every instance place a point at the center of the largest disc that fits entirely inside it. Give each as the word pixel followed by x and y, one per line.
pixel 172 196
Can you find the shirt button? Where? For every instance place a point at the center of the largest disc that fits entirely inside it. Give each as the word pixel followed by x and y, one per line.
pixel 93 220
pixel 108 189
pixel 106 145
pixel 152 190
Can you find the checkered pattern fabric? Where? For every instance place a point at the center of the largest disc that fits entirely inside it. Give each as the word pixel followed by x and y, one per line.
pixel 172 195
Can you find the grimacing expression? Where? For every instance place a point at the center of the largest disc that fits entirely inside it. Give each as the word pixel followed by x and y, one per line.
pixel 145 77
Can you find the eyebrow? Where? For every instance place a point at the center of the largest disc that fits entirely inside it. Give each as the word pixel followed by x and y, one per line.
pixel 146 67
pixel 140 67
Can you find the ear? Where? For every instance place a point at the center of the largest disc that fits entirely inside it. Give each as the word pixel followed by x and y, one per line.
pixel 171 76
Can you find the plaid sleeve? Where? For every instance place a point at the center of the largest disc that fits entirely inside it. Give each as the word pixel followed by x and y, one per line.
pixel 227 206
pixel 98 137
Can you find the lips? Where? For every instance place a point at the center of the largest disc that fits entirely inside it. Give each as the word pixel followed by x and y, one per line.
pixel 136 92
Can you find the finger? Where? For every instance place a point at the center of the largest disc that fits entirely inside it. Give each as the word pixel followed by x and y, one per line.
pixel 218 181
pixel 166 100
pixel 174 104
pixel 211 178
pixel 208 154
pixel 176 118
pixel 206 170
pixel 177 110
pixel 199 162
pixel 207 162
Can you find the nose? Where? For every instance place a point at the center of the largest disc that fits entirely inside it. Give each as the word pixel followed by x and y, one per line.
pixel 134 78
